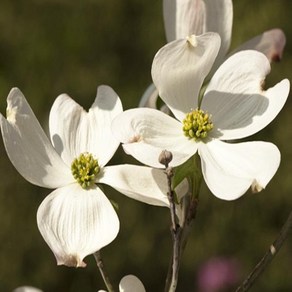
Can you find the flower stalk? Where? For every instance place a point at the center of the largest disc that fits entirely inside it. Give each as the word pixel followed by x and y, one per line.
pixel 179 230
pixel 104 274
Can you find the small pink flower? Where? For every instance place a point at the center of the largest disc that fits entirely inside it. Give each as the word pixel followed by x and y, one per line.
pixel 218 274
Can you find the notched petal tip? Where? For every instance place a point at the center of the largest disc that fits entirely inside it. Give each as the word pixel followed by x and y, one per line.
pixel 135 139
pixel 71 261
pixel 11 115
pixel 13 104
pixel 278 39
pixel 192 40
pixel 256 187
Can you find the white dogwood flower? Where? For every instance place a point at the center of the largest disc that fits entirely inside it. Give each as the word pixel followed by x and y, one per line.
pixel 76 219
pixel 186 17
pixel 234 106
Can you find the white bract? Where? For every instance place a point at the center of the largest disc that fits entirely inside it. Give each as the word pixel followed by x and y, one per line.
pixel 130 283
pixel 186 17
pixel 27 289
pixel 76 219
pixel 234 106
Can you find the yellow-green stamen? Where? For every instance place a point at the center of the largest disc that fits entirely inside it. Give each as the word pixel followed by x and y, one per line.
pixel 197 124
pixel 85 169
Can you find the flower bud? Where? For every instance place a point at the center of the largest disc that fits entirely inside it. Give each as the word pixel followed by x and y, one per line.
pixel 165 157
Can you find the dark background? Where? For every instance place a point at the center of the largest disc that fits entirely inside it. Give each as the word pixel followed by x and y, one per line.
pixel 48 47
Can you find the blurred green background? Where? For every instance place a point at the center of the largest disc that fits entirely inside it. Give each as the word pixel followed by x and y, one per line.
pixel 48 47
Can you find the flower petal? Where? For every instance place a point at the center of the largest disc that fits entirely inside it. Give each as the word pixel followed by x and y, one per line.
pixel 76 222
pixel 179 69
pixel 219 18
pixel 27 146
pixel 149 98
pixel 27 289
pixel 186 17
pixel 236 100
pixel 230 169
pixel 183 18
pixel 146 132
pixel 141 183
pixel 75 131
pixel 131 283
pixel 271 43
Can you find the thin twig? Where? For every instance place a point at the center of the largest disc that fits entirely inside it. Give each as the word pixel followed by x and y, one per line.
pixel 179 230
pixel 170 194
pixel 267 258
pixel 179 238
pixel 172 275
pixel 105 277
pixel 176 232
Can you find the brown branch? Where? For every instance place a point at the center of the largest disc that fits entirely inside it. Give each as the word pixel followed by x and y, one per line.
pixel 267 258
pixel 179 232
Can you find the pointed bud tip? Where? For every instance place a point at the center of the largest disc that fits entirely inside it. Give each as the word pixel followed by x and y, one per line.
pixel 165 157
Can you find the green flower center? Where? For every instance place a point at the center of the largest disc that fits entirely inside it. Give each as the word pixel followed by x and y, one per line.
pixel 197 124
pixel 85 169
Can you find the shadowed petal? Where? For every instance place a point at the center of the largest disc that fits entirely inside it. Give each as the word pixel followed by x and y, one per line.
pixel 236 100
pixel 76 222
pixel 230 169
pixel 27 146
pixel 183 18
pixel 219 18
pixel 75 131
pixel 271 43
pixel 179 69
pixel 146 132
pixel 141 183
pixel 149 98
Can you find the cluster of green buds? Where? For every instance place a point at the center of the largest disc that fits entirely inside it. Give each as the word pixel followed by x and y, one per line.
pixel 197 124
pixel 85 169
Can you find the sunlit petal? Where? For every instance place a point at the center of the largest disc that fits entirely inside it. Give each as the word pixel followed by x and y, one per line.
pixel 74 130
pixel 230 169
pixel 105 108
pixel 179 69
pixel 68 128
pixel 76 222
pixel 146 132
pixel 141 183
pixel 27 146
pixel 236 99
pixel 131 283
